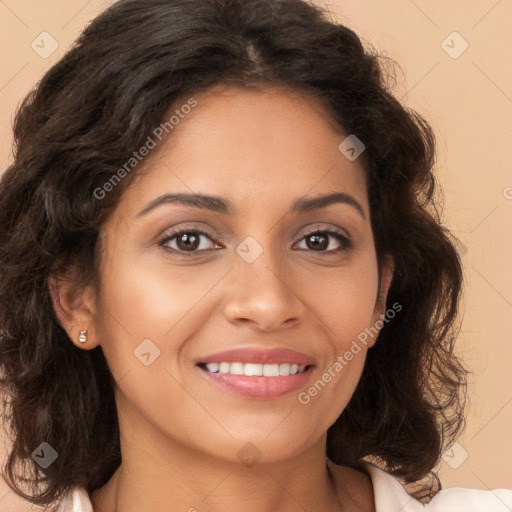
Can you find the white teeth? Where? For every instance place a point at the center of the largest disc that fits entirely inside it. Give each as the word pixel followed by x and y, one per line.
pixel 255 369
pixel 271 370
pixel 223 368
pixel 284 369
pixel 236 369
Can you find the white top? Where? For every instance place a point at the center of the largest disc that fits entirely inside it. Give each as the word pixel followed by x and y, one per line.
pixel 390 496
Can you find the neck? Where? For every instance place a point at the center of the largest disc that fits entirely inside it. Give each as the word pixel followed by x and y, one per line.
pixel 218 486
pixel 160 474
pixel 196 483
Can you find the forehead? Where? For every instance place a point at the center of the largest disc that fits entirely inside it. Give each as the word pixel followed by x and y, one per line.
pixel 264 144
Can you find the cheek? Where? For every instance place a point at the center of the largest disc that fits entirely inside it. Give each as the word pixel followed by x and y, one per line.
pixel 345 307
pixel 149 315
pixel 148 301
pixel 345 299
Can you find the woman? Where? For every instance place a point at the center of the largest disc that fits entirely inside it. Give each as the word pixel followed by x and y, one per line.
pixel 224 282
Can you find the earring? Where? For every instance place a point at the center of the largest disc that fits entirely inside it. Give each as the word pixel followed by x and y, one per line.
pixel 82 336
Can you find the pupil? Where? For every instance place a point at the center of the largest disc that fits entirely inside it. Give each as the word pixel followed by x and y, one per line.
pixel 186 240
pixel 316 239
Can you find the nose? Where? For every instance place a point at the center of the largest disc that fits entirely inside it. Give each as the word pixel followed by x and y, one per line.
pixel 262 296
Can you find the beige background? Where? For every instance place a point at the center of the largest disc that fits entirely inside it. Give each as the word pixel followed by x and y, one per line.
pixel 468 101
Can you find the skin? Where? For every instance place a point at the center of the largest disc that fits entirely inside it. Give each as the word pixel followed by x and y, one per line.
pixel 180 434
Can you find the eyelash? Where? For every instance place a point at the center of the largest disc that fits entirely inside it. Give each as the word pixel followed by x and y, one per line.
pixel 345 242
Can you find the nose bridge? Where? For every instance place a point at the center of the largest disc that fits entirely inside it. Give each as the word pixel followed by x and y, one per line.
pixel 260 288
pixel 260 267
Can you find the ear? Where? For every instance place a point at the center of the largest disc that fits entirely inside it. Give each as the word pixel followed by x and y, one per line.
pixel 379 311
pixel 75 310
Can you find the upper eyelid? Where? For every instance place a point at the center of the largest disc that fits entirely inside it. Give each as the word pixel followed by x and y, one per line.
pixel 198 227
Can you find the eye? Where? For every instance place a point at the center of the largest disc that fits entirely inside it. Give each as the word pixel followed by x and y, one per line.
pixel 318 241
pixel 187 241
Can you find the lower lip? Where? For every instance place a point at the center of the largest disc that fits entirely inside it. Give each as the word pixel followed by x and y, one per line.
pixel 260 388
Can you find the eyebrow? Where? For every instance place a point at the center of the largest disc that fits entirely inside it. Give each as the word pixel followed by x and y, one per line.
pixel 222 205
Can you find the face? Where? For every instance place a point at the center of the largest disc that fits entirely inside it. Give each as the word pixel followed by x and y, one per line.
pixel 288 289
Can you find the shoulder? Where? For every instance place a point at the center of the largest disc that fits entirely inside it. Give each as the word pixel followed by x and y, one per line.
pixel 391 496
pixel 76 500
pixel 459 499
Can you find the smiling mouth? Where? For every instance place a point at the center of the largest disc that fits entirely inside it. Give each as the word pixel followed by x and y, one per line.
pixel 255 369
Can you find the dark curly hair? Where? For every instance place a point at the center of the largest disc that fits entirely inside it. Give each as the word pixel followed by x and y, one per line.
pixel 85 118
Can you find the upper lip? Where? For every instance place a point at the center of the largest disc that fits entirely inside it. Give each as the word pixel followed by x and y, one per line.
pixel 259 356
